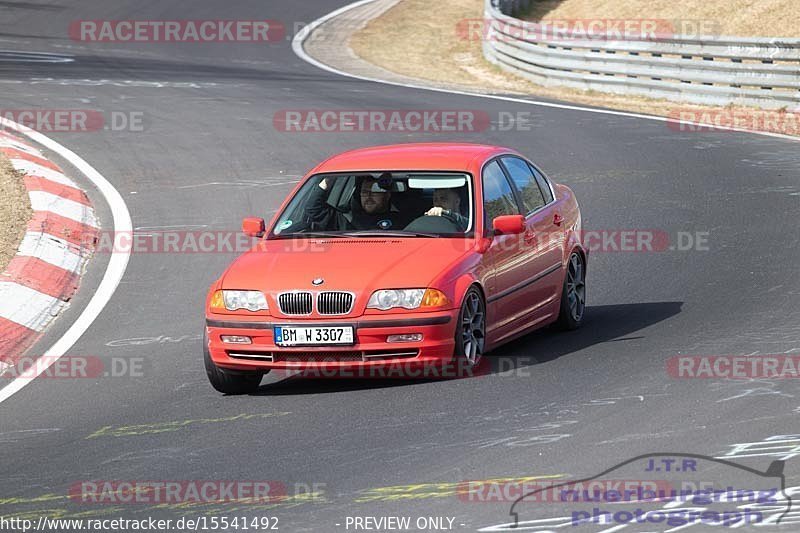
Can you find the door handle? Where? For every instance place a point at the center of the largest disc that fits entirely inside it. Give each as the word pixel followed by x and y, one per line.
pixel 557 219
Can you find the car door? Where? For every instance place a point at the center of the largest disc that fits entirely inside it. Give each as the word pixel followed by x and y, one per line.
pixel 554 220
pixel 542 242
pixel 505 256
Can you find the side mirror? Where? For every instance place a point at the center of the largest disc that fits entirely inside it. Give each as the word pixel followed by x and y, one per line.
pixel 254 226
pixel 509 224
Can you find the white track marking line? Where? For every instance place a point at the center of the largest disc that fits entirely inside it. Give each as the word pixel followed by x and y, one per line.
pixel 47 201
pixel 25 306
pixel 114 271
pixel 302 35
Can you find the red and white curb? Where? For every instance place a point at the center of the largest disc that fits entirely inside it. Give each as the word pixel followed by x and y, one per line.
pixel 44 274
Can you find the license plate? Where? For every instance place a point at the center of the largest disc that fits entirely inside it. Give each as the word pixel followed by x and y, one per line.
pixel 312 335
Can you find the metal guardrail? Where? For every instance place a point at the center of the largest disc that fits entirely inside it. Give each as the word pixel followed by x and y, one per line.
pixel 714 70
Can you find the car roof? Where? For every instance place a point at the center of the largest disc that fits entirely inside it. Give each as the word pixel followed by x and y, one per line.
pixel 415 156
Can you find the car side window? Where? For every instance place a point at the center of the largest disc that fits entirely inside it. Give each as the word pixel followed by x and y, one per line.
pixel 543 184
pixel 523 178
pixel 498 197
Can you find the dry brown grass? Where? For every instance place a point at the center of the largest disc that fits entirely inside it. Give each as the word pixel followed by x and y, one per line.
pixel 412 37
pixel 15 211
pixel 761 18
pixel 416 41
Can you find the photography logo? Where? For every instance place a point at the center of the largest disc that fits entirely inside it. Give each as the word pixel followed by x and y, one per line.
pixel 673 491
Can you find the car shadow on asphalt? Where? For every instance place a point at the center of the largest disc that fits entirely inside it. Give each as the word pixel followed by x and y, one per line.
pixel 602 324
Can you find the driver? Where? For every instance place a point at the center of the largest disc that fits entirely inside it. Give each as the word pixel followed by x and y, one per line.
pixel 376 209
pixel 447 204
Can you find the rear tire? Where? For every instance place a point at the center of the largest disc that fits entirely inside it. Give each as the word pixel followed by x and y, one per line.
pixel 229 382
pixel 471 329
pixel 573 294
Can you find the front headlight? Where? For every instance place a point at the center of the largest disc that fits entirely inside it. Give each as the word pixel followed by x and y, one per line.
pixel 386 299
pixel 250 300
pixel 389 298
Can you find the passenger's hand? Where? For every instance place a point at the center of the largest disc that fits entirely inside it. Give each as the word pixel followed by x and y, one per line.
pixel 434 212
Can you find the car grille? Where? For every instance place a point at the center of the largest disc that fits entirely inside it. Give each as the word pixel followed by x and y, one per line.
pixel 295 303
pixel 334 303
pixel 300 303
pixel 316 357
pixel 322 357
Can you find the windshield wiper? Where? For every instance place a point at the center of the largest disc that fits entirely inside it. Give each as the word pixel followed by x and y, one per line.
pixel 312 235
pixel 369 233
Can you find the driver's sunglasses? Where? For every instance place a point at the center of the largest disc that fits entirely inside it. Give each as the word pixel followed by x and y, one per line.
pixel 371 193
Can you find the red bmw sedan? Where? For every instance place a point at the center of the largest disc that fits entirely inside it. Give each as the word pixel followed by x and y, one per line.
pixel 410 257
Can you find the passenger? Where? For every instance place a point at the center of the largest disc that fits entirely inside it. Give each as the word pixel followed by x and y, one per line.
pixel 447 204
pixel 372 209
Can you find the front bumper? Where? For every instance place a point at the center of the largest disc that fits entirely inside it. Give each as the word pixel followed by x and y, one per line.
pixel 370 351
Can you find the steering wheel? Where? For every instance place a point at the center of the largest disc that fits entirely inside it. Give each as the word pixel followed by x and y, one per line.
pixel 433 224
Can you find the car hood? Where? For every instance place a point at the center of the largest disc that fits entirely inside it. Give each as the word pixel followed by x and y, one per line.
pixel 347 264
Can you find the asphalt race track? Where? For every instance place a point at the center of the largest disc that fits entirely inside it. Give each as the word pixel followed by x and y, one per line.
pixel 569 404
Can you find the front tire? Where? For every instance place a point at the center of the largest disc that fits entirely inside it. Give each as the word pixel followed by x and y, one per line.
pixel 471 329
pixel 573 293
pixel 228 382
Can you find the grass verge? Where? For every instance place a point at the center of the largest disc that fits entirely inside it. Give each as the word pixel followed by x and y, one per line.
pixel 741 18
pixel 15 211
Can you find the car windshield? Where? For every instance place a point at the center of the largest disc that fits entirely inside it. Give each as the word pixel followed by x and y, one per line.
pixel 412 204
